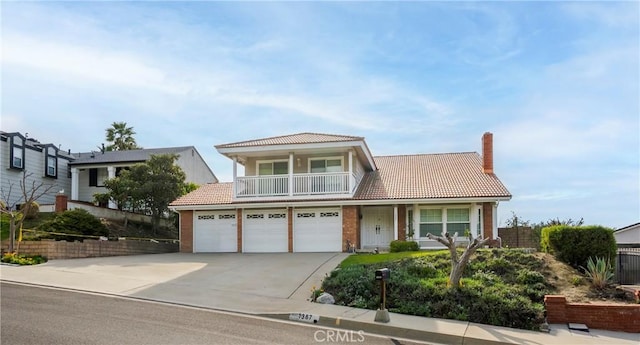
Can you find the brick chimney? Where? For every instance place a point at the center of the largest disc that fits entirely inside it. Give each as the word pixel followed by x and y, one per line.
pixel 487 153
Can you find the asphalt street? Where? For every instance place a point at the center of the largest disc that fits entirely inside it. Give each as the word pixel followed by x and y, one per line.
pixel 36 315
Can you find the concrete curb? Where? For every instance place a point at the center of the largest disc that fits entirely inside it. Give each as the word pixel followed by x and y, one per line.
pixel 393 331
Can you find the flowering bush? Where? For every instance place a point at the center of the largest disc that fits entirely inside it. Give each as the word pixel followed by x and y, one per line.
pixel 22 260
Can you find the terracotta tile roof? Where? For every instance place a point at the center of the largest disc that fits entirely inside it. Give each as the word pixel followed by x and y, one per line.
pixel 207 194
pixel 423 176
pixel 430 176
pixel 300 138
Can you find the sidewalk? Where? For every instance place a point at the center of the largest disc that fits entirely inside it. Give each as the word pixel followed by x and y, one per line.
pixel 179 279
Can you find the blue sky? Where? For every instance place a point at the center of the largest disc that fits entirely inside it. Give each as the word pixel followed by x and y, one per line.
pixel 558 83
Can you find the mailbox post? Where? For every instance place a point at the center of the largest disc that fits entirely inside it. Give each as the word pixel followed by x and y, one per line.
pixel 382 314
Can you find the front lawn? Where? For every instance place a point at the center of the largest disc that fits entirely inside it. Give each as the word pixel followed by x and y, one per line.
pixel 363 259
pixel 500 287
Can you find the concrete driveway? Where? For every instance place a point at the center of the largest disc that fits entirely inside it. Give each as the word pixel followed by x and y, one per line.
pixel 255 283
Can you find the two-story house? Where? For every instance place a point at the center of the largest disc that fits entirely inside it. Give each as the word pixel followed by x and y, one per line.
pixel 89 170
pixel 45 164
pixel 313 192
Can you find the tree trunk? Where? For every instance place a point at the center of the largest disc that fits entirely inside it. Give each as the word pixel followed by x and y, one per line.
pixel 458 265
pixel 12 233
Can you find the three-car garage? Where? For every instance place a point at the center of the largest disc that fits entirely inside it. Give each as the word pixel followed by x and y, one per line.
pixel 267 230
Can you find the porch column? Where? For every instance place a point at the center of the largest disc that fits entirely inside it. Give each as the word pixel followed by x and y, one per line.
pixel 395 222
pixel 111 173
pixel 75 184
pixel 235 174
pixel 290 173
pixel 351 180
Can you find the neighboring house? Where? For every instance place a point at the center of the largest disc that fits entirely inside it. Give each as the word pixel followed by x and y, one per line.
pixel 45 162
pixel 313 192
pixel 629 236
pixel 90 169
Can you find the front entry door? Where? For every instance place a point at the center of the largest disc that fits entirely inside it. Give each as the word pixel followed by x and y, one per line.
pixel 377 226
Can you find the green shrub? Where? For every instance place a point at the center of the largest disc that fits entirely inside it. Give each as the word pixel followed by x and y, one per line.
pixel 404 246
pixel 22 260
pixel 575 244
pixel 418 286
pixel 33 211
pixel 528 277
pixel 74 222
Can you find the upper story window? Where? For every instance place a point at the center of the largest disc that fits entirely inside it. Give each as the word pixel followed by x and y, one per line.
pixel 325 165
pixel 51 162
pixel 16 154
pixel 273 168
pixel 451 220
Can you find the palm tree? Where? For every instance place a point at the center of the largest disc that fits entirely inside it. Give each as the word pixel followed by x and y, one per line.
pixel 121 137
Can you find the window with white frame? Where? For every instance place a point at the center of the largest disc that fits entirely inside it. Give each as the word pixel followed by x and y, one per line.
pixel 16 159
pixel 273 168
pixel 51 162
pixel 451 220
pixel 325 165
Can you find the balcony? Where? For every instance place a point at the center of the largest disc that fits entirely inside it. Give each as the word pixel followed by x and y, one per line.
pixel 322 185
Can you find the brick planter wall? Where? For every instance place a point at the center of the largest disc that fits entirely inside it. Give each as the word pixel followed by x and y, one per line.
pixel 613 317
pixel 53 250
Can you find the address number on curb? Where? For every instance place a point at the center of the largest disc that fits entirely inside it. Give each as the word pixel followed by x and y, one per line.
pixel 310 318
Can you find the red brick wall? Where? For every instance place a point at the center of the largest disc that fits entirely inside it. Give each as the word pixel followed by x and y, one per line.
pixel 487 220
pixel 290 228
pixel 487 153
pixel 350 226
pixel 402 222
pixel 239 227
pixel 613 317
pixel 61 203
pixel 186 231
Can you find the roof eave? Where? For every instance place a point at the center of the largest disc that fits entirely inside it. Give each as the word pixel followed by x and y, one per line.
pixel 347 202
pixel 230 152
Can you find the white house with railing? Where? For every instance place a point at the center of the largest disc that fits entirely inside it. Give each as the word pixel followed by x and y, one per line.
pixel 330 169
pixel 312 192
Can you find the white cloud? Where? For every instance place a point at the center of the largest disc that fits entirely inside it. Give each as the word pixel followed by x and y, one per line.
pixel 74 61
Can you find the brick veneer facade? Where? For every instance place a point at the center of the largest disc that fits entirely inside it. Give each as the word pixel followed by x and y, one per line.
pixel 186 231
pixel 239 228
pixel 290 228
pixel 350 226
pixel 402 222
pixel 613 317
pixel 487 220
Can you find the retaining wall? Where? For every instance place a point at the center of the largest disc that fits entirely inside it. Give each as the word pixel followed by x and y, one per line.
pixel 613 317
pixel 53 250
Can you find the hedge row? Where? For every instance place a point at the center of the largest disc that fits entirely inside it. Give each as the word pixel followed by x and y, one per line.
pixel 575 244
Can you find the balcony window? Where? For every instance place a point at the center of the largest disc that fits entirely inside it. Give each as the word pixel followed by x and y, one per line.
pixel 273 168
pixel 325 165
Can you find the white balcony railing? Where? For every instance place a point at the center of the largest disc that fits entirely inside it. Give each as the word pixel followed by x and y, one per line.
pixel 303 184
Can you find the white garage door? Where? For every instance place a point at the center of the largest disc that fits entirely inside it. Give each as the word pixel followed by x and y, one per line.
pixel 215 232
pixel 317 230
pixel 265 231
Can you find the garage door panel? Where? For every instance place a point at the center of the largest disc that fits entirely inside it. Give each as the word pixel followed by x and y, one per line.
pixel 318 230
pixel 215 231
pixel 265 231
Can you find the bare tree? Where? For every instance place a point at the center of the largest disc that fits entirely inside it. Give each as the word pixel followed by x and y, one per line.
pixel 31 191
pixel 458 263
